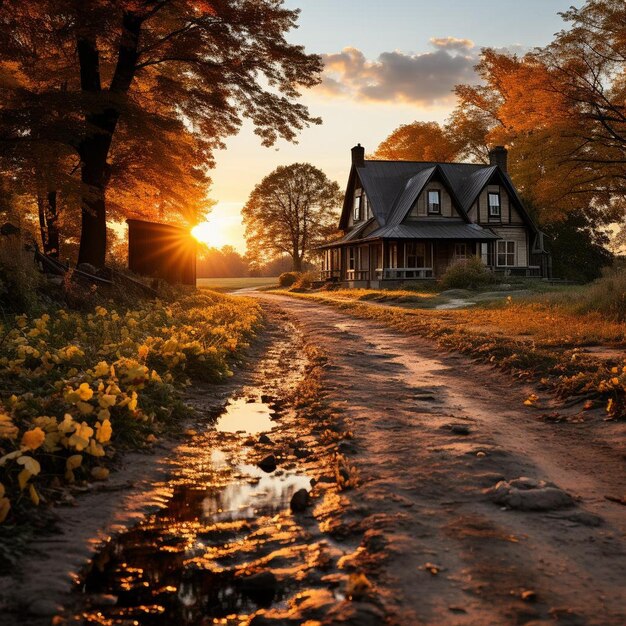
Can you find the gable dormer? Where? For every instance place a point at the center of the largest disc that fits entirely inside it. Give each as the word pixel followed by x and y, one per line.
pixel 434 202
pixel 494 204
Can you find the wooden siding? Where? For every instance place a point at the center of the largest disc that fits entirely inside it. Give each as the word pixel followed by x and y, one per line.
pixel 519 235
pixel 508 213
pixel 420 208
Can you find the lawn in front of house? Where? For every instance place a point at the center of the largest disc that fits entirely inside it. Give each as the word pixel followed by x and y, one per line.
pixel 234 284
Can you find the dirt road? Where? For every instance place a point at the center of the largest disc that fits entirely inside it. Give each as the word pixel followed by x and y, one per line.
pixel 202 531
pixel 432 432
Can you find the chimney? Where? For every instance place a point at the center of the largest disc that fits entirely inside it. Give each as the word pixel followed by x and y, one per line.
pixel 498 156
pixel 358 155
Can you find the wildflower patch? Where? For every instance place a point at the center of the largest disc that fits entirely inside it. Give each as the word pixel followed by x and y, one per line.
pixel 74 386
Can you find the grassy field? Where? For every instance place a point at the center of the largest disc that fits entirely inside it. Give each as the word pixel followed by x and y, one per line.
pixel 232 284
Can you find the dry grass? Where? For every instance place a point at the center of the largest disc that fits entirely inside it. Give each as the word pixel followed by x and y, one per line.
pixel 529 339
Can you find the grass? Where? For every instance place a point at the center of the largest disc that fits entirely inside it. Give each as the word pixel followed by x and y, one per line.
pixel 232 284
pixel 536 336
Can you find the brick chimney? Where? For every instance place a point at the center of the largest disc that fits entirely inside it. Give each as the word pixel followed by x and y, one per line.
pixel 358 155
pixel 498 156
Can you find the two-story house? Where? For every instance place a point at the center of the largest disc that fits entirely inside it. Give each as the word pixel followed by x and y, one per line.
pixel 407 220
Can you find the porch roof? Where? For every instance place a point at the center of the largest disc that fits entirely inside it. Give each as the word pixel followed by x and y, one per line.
pixel 434 230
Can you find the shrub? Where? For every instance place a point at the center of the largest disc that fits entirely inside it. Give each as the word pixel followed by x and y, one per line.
pixel 287 279
pixel 469 274
pixel 304 282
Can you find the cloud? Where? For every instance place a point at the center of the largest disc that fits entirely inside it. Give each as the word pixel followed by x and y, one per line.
pixel 452 43
pixel 425 79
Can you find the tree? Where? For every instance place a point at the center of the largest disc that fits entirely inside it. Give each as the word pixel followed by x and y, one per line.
pixel 419 141
pixel 291 211
pixel 118 76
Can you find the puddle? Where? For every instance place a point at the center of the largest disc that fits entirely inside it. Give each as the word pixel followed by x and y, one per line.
pixel 241 414
pixel 264 492
pixel 189 562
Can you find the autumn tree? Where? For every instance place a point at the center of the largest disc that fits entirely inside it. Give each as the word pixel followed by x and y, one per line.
pixel 291 211
pixel 561 112
pixel 419 141
pixel 114 84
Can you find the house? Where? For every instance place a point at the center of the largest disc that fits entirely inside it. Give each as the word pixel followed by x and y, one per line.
pixel 409 220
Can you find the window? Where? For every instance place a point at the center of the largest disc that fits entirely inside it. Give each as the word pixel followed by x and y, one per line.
pixel 351 258
pixel 393 255
pixel 358 206
pixel 434 201
pixel 461 252
pixel 494 204
pixel 415 254
pixel 506 253
pixel 365 206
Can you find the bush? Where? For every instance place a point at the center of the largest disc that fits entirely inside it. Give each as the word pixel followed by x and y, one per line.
pixel 288 279
pixel 304 282
pixel 469 274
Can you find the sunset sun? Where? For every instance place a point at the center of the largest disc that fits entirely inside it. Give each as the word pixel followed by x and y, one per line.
pixel 213 233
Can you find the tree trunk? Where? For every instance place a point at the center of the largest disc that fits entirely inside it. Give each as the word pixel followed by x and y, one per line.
pixel 93 231
pixel 48 218
pixel 297 262
pixel 94 149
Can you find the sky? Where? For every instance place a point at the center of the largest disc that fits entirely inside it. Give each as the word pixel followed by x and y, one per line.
pixel 387 62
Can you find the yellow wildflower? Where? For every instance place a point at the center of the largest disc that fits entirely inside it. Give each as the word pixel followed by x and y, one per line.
pixel 5 504
pixel 99 473
pixel 107 400
pixel 102 369
pixel 104 431
pixel 33 439
pixel 85 392
pixel 81 436
pixel 73 461
pixel 95 449
pixel 30 464
pixel 8 430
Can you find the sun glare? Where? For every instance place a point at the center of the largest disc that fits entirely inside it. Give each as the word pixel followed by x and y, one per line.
pixel 211 233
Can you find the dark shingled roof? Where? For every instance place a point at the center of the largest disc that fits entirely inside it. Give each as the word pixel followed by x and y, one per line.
pixel 392 188
pixel 435 230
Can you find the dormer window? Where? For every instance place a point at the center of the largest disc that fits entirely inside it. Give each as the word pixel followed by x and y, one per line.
pixel 493 200
pixel 434 202
pixel 358 206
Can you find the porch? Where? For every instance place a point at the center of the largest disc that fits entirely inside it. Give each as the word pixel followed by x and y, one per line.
pixel 380 263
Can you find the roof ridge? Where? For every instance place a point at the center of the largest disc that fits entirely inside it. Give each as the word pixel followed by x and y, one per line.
pixel 427 162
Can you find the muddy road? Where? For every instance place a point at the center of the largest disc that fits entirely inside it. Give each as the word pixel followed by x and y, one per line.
pixel 432 433
pixel 416 512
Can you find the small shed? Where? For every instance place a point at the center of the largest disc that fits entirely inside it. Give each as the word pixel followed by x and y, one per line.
pixel 162 251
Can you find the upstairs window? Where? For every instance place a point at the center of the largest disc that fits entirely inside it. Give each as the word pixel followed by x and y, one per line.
pixel 434 202
pixel 365 206
pixel 358 206
pixel 493 200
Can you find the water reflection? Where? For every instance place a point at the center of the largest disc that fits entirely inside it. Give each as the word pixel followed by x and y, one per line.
pixel 262 492
pixel 252 417
pixel 189 563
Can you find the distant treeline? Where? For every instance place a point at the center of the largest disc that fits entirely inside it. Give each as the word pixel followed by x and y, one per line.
pixel 228 263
